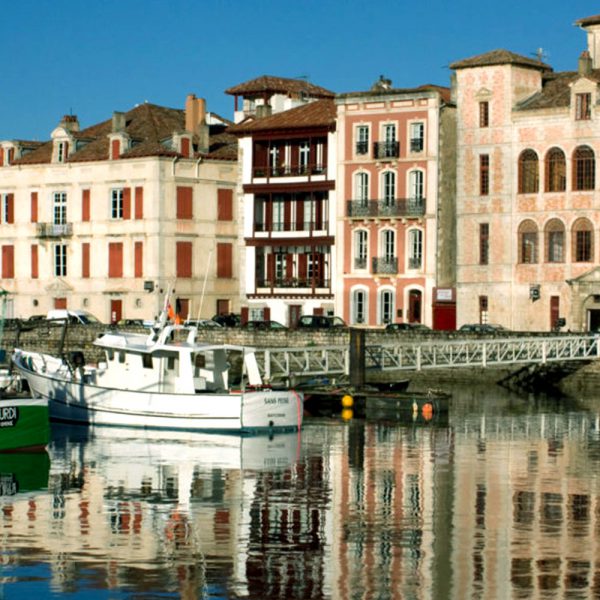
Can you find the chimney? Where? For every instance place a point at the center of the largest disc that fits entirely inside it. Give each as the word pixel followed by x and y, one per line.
pixel 382 84
pixel 585 63
pixel 591 25
pixel 69 123
pixel 195 120
pixel 453 87
pixel 118 122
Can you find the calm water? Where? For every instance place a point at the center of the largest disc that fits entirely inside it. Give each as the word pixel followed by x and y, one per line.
pixel 500 498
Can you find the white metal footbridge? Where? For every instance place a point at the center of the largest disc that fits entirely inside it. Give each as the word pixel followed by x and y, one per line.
pixel 416 355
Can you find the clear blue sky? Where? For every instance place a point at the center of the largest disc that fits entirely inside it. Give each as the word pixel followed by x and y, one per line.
pixel 91 57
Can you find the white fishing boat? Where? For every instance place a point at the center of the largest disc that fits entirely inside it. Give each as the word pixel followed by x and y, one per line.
pixel 166 379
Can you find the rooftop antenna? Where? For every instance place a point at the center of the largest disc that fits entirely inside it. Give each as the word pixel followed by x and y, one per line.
pixel 540 54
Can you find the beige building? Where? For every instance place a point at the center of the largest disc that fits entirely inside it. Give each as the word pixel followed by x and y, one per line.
pixel 108 218
pixel 528 215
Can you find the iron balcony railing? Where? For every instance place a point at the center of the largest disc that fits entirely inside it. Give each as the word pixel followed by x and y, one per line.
pixel 54 230
pixel 386 149
pixel 299 227
pixel 386 265
pixel 288 171
pixel 399 207
pixel 292 282
pixel 360 262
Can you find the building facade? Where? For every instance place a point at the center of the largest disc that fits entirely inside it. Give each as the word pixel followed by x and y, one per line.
pixel 110 217
pixel 528 216
pixel 396 214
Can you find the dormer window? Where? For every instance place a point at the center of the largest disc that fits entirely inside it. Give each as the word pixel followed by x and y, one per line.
pixel 62 151
pixel 583 107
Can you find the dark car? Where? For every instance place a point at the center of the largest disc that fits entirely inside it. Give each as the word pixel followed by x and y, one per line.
pixel 264 325
pixel 396 327
pixel 202 324
pixel 131 323
pixel 230 320
pixel 319 322
pixel 481 328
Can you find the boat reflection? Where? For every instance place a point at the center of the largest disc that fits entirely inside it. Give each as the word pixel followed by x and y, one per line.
pixel 22 472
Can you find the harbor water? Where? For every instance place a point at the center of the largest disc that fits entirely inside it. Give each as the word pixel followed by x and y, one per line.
pixel 497 498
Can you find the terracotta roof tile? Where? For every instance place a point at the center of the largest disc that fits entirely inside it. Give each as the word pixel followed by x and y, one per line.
pixel 499 57
pixel 281 85
pixel 320 113
pixel 593 20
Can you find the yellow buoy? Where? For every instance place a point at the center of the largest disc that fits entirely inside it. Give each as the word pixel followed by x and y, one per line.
pixel 347 401
pixel 347 414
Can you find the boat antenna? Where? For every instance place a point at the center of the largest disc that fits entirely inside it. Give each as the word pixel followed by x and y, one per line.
pixel 204 284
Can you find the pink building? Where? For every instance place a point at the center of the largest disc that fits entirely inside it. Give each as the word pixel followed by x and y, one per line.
pixel 395 215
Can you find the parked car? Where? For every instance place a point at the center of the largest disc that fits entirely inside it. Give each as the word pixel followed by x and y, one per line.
pixel 319 322
pixel 77 317
pixel 395 327
pixel 131 323
pixel 202 324
pixel 230 320
pixel 481 328
pixel 263 325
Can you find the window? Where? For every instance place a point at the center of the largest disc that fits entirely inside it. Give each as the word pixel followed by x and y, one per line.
pixel 8 262
pixel 528 172
pixel 116 208
pixel 484 174
pixel 556 170
pixel 184 202
pixel 34 207
pixel 584 169
pixel 388 245
pixel 225 205
pixel 85 205
pixel 484 243
pixel 359 306
pixel 85 260
pixel 274 159
pixel 225 260
pixel 415 185
pixel 583 241
pixel 60 260
pixel 60 208
pixel 417 137
pixel 34 262
pixel 138 258
pixel 183 257
pixel 415 249
pixel 362 139
pixel 528 243
pixel 555 239
pixel 386 306
pixel 279 213
pixel 583 107
pixel 361 187
pixel 389 188
pixel 304 153
pixel 62 151
pixel 484 114
pixel 115 259
pixel 139 203
pixel 483 309
pixel 360 249
pixel 8 208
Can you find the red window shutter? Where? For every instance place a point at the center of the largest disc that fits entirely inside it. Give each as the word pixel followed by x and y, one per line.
pixel 319 213
pixel 266 314
pixel 302 261
pixel 243 315
pixel 299 213
pixel 10 157
pixel 224 260
pixel 1 157
pixel 185 147
pixel 224 205
pixel 287 215
pixel 270 268
pixel 115 149
pixel 115 259
pixel 34 261
pixel 66 150
pixel 60 303
pixel 184 259
pixel 34 207
pixel 139 202
pixel 139 258
pixel 289 266
pixel 8 262
pixel 85 205
pixel 184 202
pixel 85 260
pixel 10 208
pixel 127 203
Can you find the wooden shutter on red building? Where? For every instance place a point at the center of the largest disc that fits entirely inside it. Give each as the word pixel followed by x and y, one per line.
pixel 287 215
pixel 10 208
pixel 299 213
pixel 225 205
pixel 184 259
pixel 224 260
pixel 115 259
pixel 85 260
pixel 184 202
pixel 34 262
pixel 85 205
pixel 34 207
pixel 302 264
pixel 8 262
pixel 139 202
pixel 270 269
pixel 126 203
pixel 289 265
pixel 319 213
pixel 139 259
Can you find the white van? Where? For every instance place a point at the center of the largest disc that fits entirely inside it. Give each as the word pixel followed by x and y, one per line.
pixel 81 317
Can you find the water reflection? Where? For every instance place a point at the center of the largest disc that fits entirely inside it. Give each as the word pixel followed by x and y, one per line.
pixel 499 499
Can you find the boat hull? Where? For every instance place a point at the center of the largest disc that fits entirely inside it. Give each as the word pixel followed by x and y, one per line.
pixel 83 402
pixel 24 424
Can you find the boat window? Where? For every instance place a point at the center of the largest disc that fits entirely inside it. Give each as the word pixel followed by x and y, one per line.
pixel 171 363
pixel 200 361
pixel 147 361
pixel 110 354
pixel 121 357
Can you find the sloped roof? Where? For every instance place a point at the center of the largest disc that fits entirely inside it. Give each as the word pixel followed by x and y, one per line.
pixel 278 85
pixel 320 113
pixel 428 87
pixel 593 20
pixel 147 125
pixel 500 57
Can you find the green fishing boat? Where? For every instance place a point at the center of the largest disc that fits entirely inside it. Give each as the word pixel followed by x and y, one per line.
pixel 22 472
pixel 24 424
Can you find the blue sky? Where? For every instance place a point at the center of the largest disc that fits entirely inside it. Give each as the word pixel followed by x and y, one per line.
pixel 91 57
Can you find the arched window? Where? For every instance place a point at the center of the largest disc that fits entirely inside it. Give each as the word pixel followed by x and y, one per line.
pixel 528 242
pixel 361 187
pixel 358 303
pixel 388 181
pixel 415 249
pixel 360 249
pixel 584 168
pixel 555 241
pixel 582 240
pixel 528 172
pixel 556 170
pixel 386 306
